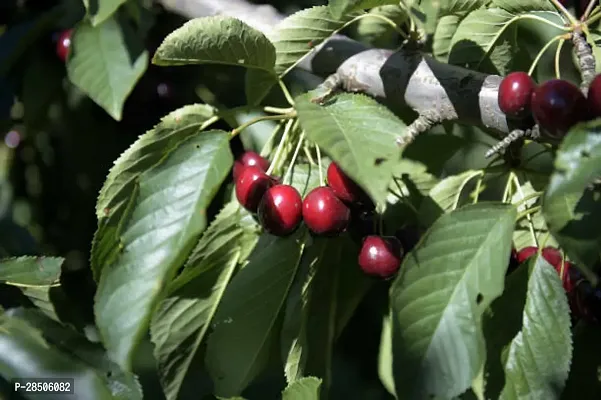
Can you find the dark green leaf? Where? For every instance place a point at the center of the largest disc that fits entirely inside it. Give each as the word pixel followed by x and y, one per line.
pixel 119 187
pixel 167 218
pixel 99 10
pixel 105 62
pixel 363 144
pixel 30 271
pixel 238 348
pixel 539 357
pixel 519 6
pixel 584 381
pixel 379 33
pixel 445 285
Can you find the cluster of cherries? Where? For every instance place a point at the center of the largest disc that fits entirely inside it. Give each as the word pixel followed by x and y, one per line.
pixel 584 299
pixel 325 210
pixel 556 105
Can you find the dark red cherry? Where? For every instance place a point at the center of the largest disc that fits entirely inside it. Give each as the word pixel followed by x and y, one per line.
pixel 280 210
pixel 251 185
pixel 594 97
pixel 526 253
pixel 343 186
pixel 381 255
pixel 324 213
pixel 557 105
pixel 249 158
pixel 63 45
pixel 515 93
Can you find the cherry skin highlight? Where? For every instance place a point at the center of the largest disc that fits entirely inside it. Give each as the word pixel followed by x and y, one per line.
pixel 515 94
pixel 251 185
pixel 324 213
pixel 381 255
pixel 63 45
pixel 557 105
pixel 249 158
pixel 344 187
pixel 280 210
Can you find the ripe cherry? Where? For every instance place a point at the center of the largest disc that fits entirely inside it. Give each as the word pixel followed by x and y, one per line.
pixel 515 94
pixel 249 158
pixel 526 253
pixel 63 45
pixel 557 105
pixel 343 186
pixel 553 257
pixel 251 185
pixel 324 213
pixel 594 96
pixel 280 210
pixel 380 255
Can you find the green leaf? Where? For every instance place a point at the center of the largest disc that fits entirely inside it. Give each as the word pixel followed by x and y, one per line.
pixel 483 37
pixel 363 144
pixel 339 8
pixel 105 62
pixel 522 235
pixel 123 385
pixel 377 32
pixel 447 283
pixel 538 360
pixel 168 215
pixel 442 40
pixel 243 329
pixel 309 328
pixel 30 271
pixel 118 189
pixel 182 320
pixel 519 6
pixel 570 209
pixel 385 356
pixel 305 177
pixel 99 10
pixel 445 196
pixel 25 353
pixel 303 389
pixel 216 40
pixel 447 7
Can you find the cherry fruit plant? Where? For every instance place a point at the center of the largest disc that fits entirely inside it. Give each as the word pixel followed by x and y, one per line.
pixel 496 299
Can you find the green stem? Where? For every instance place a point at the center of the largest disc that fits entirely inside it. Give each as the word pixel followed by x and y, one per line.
pixel 589 10
pixel 267 147
pixel 287 94
pixel 541 52
pixel 278 110
pixel 386 20
pixel 294 156
pixel 527 213
pixel 531 196
pixel 278 151
pixel 557 54
pixel 530 223
pixel 253 121
pixel 565 12
pixel 318 151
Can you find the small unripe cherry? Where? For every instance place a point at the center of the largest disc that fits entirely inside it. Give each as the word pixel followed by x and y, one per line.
pixel 380 255
pixel 280 210
pixel 515 94
pixel 249 158
pixel 324 213
pixel 251 185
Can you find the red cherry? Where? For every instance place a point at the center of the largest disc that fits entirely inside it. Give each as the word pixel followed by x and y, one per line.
pixel 343 186
pixel 251 185
pixel 249 158
pixel 324 213
pixel 557 105
pixel 380 255
pixel 63 44
pixel 526 253
pixel 280 210
pixel 515 93
pixel 594 96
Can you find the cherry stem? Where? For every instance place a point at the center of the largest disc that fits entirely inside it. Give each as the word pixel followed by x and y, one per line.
pixel 522 195
pixel 278 110
pixel 209 122
pixel 253 121
pixel 318 151
pixel 527 213
pixel 541 52
pixel 278 151
pixel 557 55
pixel 294 156
pixel 531 196
pixel 308 153
pixel 588 10
pixel 565 12
pixel 268 146
pixel 287 94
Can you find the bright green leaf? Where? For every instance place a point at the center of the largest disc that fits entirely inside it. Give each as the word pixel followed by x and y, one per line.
pixel 339 8
pixel 243 328
pixel 442 39
pixel 303 389
pixel 119 187
pixel 216 40
pixel 30 271
pixel 167 217
pixel 539 357
pixel 571 210
pixel 99 10
pixel 106 62
pixel 363 144
pixel 385 356
pixel 520 6
pixel 446 284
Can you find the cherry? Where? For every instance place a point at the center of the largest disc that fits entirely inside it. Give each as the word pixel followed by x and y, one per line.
pixel 515 93
pixel 553 257
pixel 594 96
pixel 280 210
pixel 557 105
pixel 63 44
pixel 324 213
pixel 249 158
pixel 380 255
pixel 343 186
pixel 251 185
pixel 526 253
